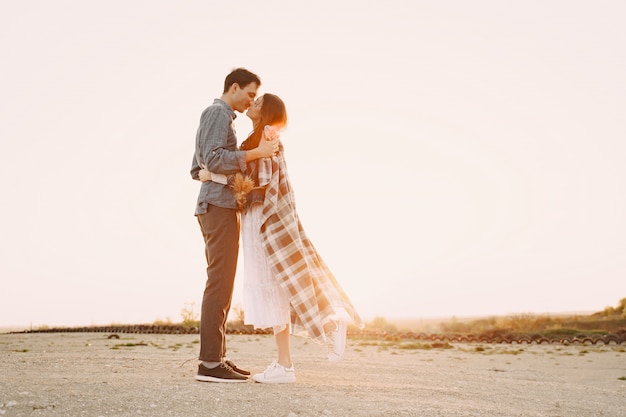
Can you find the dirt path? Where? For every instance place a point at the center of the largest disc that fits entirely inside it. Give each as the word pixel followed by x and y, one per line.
pixel 87 374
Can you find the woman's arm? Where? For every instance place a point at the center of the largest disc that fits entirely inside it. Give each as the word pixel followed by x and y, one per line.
pixel 271 133
pixel 205 175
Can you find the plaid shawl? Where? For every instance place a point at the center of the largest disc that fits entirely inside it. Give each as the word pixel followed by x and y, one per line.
pixel 314 294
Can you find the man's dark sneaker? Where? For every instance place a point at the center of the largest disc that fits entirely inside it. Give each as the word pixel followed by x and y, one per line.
pixel 221 373
pixel 237 369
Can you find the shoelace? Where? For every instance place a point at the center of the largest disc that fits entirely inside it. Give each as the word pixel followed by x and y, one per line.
pixel 330 348
pixel 226 366
pixel 330 341
pixel 273 365
pixel 231 364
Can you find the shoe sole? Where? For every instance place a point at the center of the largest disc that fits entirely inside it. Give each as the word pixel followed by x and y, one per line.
pixel 276 381
pixel 205 378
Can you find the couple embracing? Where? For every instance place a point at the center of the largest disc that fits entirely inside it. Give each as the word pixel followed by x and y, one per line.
pixel 287 286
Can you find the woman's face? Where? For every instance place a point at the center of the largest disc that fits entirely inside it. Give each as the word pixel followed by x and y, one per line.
pixel 254 112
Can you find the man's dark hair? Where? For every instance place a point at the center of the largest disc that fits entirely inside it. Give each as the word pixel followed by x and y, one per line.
pixel 240 76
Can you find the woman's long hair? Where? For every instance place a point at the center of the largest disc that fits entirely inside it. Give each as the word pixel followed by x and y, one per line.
pixel 273 112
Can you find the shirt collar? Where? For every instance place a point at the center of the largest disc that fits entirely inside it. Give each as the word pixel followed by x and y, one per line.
pixel 226 106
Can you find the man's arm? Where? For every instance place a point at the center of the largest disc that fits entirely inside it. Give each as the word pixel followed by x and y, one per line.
pixel 212 148
pixel 224 161
pixel 218 154
pixel 265 149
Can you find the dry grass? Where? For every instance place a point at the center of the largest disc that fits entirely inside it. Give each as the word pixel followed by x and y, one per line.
pixel 611 319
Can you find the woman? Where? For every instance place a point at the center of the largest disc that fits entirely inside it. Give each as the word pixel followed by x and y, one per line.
pixel 287 286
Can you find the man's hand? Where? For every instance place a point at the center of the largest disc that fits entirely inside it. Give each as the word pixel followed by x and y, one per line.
pixel 266 149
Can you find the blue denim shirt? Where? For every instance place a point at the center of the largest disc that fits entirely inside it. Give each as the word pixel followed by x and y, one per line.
pixel 216 148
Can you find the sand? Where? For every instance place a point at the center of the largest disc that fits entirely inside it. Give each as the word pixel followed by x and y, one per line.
pixel 88 374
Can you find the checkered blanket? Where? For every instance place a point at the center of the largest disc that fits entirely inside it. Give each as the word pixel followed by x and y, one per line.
pixel 315 296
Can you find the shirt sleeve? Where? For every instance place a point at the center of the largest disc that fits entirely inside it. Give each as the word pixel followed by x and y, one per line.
pixel 219 178
pixel 215 148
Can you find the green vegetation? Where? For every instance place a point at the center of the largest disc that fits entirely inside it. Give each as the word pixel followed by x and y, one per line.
pixel 605 327
pixel 609 320
pixel 397 343
pixel 608 325
pixel 129 344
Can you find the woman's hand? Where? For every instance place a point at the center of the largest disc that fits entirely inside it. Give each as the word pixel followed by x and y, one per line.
pixel 204 174
pixel 271 132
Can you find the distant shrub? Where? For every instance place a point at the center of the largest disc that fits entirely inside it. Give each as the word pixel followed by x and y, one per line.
pixel 190 317
pixel 380 324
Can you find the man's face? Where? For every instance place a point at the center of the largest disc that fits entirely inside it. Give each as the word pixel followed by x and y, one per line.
pixel 243 97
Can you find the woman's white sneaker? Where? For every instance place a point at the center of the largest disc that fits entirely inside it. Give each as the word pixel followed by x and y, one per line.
pixel 276 374
pixel 337 342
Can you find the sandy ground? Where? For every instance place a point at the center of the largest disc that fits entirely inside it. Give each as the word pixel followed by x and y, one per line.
pixel 88 374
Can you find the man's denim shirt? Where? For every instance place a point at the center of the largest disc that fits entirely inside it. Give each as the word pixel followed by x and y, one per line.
pixel 216 148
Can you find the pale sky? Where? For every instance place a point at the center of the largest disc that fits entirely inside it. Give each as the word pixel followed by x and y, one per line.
pixel 449 158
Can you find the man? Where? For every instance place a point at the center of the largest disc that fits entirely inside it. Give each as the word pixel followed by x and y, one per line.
pixel 216 210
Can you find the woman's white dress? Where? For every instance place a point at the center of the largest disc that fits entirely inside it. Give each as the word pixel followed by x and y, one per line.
pixel 265 302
